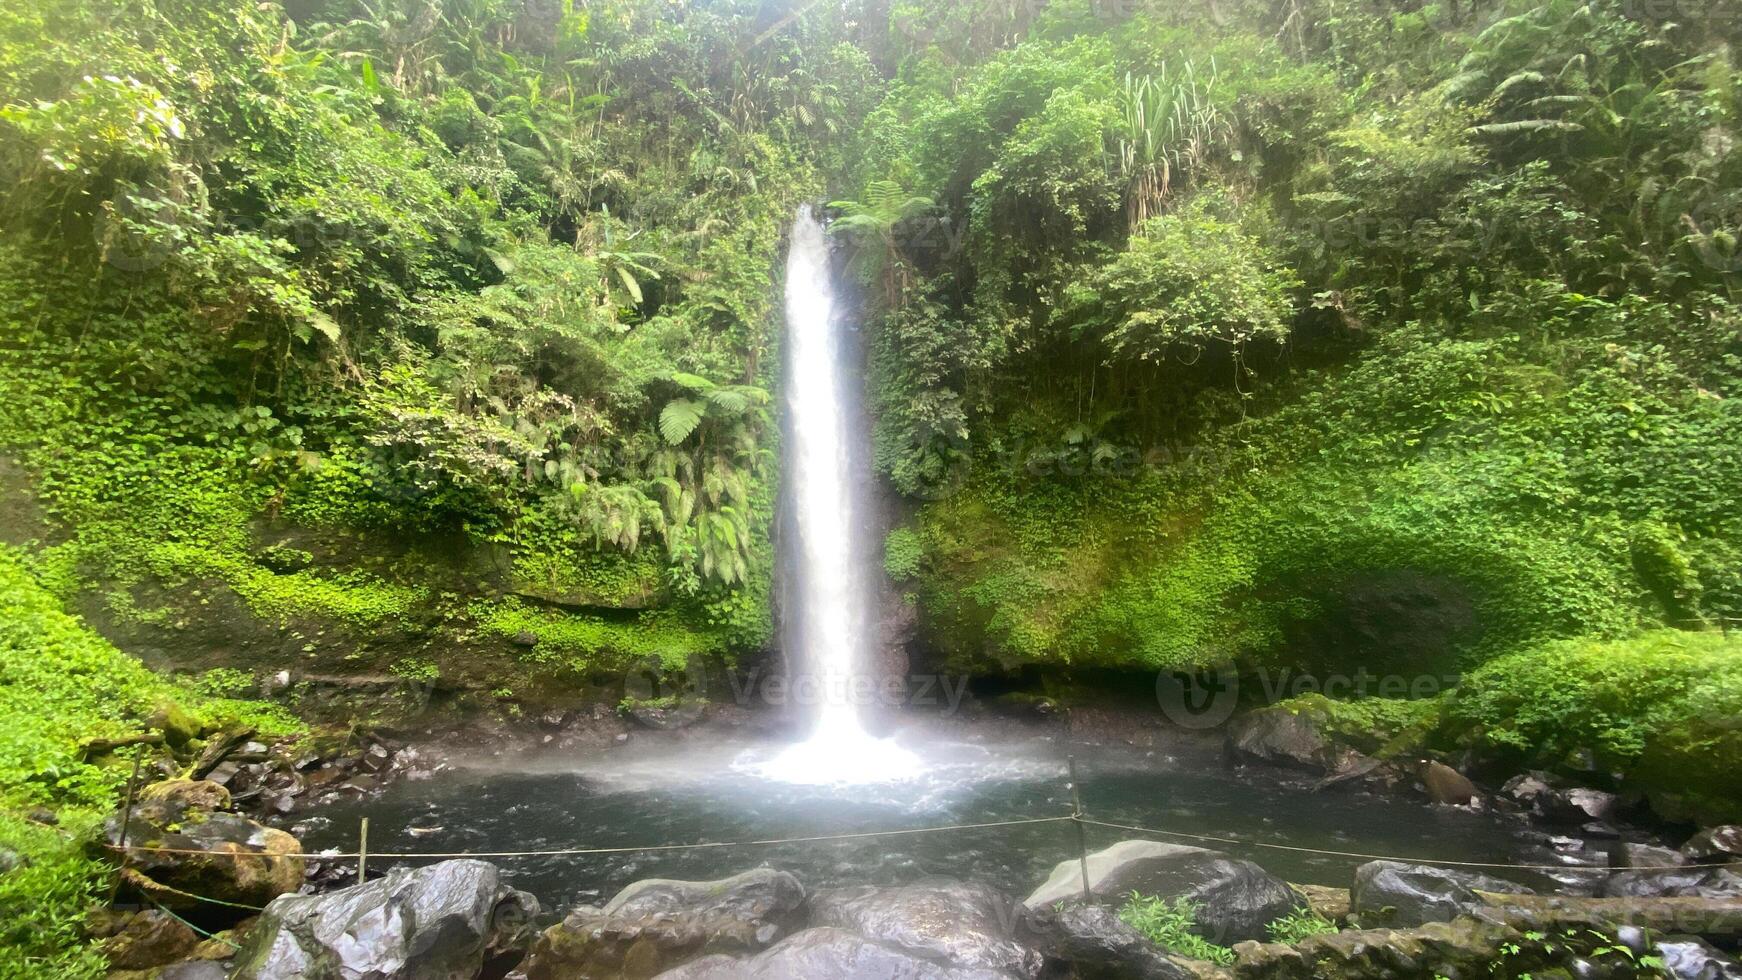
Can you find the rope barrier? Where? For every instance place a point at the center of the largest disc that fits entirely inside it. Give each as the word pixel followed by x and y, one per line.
pixel 147 885
pixel 823 838
pixel 171 913
pixel 1385 857
pixel 571 851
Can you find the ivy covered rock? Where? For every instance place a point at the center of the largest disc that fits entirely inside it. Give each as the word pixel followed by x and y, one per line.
pixel 179 842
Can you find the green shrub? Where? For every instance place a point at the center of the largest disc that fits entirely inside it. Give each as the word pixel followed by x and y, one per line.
pixel 902 552
pixel 1300 925
pixel 43 901
pixel 1169 925
pixel 1659 707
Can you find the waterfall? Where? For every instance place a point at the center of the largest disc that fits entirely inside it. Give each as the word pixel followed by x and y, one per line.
pixel 828 597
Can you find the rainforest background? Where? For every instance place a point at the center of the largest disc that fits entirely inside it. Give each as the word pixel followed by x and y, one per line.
pixel 434 339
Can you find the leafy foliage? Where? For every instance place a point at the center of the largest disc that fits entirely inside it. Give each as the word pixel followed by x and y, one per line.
pixel 1657 707
pixel 1169 925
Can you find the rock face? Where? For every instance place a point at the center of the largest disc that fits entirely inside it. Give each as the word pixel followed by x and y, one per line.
pixel 1097 944
pixel 149 939
pixel 967 925
pixel 836 954
pixel 666 717
pixel 1237 899
pixel 228 857
pixel 1396 894
pixel 1547 797
pixel 1675 882
pixel 1281 737
pixel 1715 844
pixel 656 925
pixel 436 923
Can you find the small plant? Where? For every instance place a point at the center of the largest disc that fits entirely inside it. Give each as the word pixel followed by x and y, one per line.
pixel 632 704
pixel 416 669
pixel 1169 925
pixel 224 682
pixel 1300 925
pixel 902 551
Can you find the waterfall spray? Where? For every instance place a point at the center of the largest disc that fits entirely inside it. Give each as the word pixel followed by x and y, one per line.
pixel 830 593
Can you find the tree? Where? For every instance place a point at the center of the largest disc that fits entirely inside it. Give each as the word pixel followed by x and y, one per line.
pixel 872 224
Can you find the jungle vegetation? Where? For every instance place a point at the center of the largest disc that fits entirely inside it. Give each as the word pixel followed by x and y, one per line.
pixel 1310 333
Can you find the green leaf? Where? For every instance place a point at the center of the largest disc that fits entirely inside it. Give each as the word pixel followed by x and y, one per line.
pixel 679 418
pixel 693 382
pixel 630 284
pixel 325 325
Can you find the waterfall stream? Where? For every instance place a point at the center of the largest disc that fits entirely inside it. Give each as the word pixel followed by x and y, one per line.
pixel 829 597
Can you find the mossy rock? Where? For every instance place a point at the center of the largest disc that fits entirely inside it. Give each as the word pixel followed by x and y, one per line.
pixel 177 725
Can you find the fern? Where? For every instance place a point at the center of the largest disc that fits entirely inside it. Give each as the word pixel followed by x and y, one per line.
pixel 679 418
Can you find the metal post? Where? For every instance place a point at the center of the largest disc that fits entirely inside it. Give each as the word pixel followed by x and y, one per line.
pixel 1077 818
pixel 363 851
pixel 126 819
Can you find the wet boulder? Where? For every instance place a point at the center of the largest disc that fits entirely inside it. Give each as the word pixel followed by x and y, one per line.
pixel 1092 942
pixel 1279 736
pixel 1391 893
pixel 828 952
pixel 1715 844
pixel 1446 785
pixel 1692 958
pixel 1237 899
pixel 1549 798
pixel 947 921
pixel 658 924
pixel 1675 883
pixel 180 843
pixel 760 896
pixel 1630 855
pixel 441 922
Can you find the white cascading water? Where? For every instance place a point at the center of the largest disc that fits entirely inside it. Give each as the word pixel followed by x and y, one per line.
pixel 830 595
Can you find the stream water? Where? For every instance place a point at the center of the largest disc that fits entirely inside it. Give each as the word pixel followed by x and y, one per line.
pixel 665 789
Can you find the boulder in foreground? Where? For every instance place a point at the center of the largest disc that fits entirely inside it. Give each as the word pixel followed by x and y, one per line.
pixel 441 922
pixel 836 954
pixel 960 923
pixel 190 845
pixel 1392 893
pixel 1237 899
pixel 659 924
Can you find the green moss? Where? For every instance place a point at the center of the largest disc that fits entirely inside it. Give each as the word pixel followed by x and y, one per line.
pixel 353 597
pixel 61 683
pixel 902 552
pixel 580 642
pixel 1375 725
pixel 1660 708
